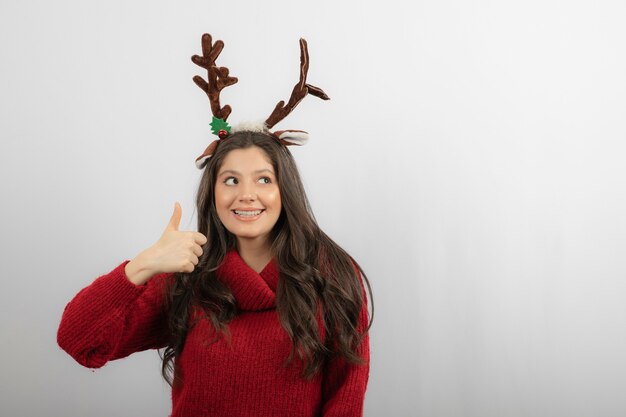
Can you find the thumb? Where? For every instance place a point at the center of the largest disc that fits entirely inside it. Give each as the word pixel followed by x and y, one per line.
pixel 175 219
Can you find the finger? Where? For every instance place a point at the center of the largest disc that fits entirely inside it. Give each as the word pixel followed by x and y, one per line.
pixel 189 267
pixel 200 238
pixel 197 250
pixel 175 219
pixel 194 259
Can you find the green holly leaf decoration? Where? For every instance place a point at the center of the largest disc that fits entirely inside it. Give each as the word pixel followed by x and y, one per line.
pixel 219 124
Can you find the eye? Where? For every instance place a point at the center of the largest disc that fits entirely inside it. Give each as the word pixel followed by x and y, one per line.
pixel 231 181
pixel 265 180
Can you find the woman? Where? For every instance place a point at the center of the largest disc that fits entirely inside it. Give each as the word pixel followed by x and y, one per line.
pixel 260 313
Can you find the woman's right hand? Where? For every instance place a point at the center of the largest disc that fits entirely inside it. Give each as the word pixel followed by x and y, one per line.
pixel 175 251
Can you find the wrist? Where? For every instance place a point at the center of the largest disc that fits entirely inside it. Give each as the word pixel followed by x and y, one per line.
pixel 139 271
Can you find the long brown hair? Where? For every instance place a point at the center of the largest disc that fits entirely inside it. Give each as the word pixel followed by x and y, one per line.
pixel 313 270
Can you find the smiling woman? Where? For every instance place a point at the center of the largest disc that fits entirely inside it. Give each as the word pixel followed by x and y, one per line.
pixel 259 312
pixel 247 198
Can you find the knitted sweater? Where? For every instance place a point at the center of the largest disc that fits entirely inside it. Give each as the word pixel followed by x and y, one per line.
pixel 113 318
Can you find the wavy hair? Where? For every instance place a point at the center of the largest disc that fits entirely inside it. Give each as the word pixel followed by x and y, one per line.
pixel 315 272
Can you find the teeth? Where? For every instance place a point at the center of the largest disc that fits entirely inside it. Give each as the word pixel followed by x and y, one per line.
pixel 248 213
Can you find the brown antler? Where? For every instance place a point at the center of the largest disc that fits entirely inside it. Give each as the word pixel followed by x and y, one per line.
pixel 300 90
pixel 217 76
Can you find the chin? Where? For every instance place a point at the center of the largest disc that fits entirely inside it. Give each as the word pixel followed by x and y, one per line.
pixel 251 235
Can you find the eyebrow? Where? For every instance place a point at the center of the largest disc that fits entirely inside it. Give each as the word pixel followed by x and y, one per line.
pixel 258 171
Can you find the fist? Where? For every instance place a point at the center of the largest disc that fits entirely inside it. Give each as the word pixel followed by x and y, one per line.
pixel 176 251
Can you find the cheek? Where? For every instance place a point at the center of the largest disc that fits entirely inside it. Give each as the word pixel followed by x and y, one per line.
pixel 273 198
pixel 222 199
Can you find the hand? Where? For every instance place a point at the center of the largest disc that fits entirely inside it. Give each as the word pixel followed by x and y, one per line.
pixel 175 251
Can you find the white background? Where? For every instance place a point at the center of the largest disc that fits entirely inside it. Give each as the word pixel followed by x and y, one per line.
pixel 471 159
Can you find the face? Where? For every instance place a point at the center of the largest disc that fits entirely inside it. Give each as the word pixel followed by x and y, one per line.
pixel 247 198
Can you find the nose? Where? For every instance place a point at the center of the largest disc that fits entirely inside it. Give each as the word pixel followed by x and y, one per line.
pixel 247 194
pixel 247 197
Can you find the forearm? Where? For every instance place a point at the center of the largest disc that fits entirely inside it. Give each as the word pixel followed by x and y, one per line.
pixel 111 318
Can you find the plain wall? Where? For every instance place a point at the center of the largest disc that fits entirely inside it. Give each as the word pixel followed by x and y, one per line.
pixel 471 158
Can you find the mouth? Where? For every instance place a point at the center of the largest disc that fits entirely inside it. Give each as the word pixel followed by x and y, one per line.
pixel 247 215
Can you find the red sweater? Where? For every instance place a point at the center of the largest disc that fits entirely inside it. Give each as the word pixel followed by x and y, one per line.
pixel 113 318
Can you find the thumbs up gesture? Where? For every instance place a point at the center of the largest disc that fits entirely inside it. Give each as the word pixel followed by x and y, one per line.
pixel 175 251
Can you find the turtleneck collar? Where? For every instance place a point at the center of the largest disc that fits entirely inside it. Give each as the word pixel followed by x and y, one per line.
pixel 253 291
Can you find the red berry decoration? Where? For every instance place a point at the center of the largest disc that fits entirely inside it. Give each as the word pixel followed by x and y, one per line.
pixel 222 133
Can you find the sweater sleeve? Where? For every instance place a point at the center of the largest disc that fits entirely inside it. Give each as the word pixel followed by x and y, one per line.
pixel 344 384
pixel 112 318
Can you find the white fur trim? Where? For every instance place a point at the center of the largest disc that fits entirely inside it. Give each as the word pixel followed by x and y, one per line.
pixel 252 126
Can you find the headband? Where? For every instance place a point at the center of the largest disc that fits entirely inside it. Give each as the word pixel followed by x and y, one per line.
pixel 218 79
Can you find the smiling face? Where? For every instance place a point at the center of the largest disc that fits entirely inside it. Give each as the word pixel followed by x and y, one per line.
pixel 247 197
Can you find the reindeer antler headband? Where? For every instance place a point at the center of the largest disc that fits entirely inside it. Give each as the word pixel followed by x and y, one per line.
pixel 218 79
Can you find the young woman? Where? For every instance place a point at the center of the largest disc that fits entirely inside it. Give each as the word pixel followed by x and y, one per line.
pixel 259 313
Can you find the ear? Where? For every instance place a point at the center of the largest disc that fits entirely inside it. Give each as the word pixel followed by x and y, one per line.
pixel 292 137
pixel 202 159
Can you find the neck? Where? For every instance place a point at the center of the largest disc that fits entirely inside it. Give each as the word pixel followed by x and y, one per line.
pixel 255 252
